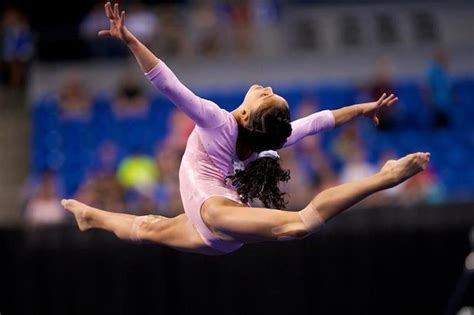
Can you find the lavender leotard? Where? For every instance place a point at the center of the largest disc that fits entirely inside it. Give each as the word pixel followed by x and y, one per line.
pixel 210 151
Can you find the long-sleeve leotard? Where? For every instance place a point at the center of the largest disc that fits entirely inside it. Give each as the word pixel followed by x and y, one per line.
pixel 204 113
pixel 208 114
pixel 310 125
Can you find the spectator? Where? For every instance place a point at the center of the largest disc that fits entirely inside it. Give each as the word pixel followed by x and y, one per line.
pixel 240 16
pixel 102 47
pixel 74 99
pixel 110 191
pixel 106 158
pixel 170 37
pixel 166 193
pixel 425 187
pixel 103 190
pixel 131 110
pixel 382 82
pixel 18 46
pixel 180 127
pixel 299 188
pixel 310 154
pixel 439 85
pixel 346 142
pixel 87 193
pixel 74 146
pixel 131 100
pixel 205 29
pixel 142 22
pixel 44 207
pixel 392 196
pixel 356 166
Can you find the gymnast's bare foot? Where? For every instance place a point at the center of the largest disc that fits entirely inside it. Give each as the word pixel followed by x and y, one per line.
pixel 83 213
pixel 400 170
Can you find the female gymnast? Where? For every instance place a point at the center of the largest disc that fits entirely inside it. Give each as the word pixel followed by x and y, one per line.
pixel 230 160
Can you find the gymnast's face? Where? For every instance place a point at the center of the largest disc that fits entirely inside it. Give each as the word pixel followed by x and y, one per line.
pixel 259 97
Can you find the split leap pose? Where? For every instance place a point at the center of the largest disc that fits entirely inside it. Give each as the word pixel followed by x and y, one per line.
pixel 230 159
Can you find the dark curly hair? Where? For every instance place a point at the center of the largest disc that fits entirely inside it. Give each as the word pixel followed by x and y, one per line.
pixel 268 129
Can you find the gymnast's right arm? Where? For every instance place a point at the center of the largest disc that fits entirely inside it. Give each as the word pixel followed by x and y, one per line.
pixel 205 113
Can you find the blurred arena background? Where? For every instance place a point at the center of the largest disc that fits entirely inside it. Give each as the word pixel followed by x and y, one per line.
pixel 78 119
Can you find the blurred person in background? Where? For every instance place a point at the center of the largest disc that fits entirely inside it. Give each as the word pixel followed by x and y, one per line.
pixel 142 22
pixel 106 158
pixel 180 127
pixel 18 46
pixel 346 142
pixel 382 82
pixel 424 188
pixel 310 154
pixel 44 206
pixel 349 147
pixel 110 190
pixel 205 29
pixel 87 192
pixel 73 146
pixel 241 26
pixel 394 195
pixel 166 193
pixel 299 189
pixel 310 171
pixel 440 89
pixel 74 98
pixel 101 185
pixel 171 37
pixel 90 25
pixel 131 114
pixel 130 100
pixel 356 166
pixel 103 189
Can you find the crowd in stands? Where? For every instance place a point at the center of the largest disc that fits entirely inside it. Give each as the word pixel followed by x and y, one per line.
pixel 199 29
pixel 122 152
pixel 16 47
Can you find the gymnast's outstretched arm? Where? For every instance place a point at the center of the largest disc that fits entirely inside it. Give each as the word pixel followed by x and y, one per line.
pixel 205 113
pixel 325 120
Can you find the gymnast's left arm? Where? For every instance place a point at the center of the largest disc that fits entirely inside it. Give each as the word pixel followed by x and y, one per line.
pixel 203 112
pixel 327 119
pixel 369 110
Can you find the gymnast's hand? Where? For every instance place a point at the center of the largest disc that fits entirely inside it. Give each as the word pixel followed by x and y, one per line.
pixel 370 110
pixel 117 24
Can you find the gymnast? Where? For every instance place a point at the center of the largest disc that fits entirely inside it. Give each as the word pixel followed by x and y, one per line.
pixel 230 160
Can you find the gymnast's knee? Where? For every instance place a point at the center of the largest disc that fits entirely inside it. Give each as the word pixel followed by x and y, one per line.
pixel 310 222
pixel 144 226
pixel 311 218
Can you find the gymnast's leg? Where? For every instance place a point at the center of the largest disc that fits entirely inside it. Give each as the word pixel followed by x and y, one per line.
pixel 334 200
pixel 177 232
pixel 260 224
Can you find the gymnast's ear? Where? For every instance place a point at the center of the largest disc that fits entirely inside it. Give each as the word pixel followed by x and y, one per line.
pixel 244 116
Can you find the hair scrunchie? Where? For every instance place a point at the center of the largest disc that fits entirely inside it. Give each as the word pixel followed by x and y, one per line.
pixel 269 153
